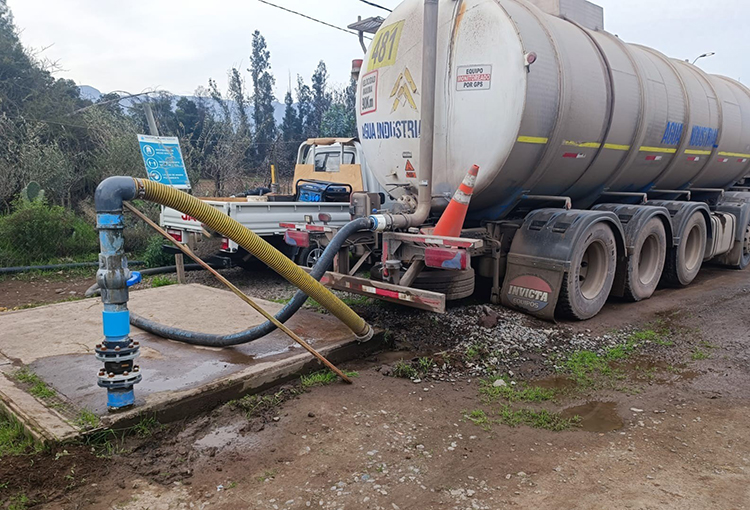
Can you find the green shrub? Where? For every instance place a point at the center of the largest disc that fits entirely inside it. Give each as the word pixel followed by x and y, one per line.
pixel 36 233
pixel 154 256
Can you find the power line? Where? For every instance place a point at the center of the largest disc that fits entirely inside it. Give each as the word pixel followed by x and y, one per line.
pixel 311 18
pixel 376 5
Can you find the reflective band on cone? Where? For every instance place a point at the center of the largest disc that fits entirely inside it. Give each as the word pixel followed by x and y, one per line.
pixel 452 220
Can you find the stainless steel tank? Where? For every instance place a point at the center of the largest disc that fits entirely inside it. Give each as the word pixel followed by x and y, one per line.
pixel 545 107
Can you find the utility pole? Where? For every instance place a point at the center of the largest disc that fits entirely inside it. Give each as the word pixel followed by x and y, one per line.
pixel 179 259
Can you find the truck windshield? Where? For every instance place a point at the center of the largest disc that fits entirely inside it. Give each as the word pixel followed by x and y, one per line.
pixel 330 160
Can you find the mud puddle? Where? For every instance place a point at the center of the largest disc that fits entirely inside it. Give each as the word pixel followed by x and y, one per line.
pixel 221 437
pixel 596 416
pixel 558 383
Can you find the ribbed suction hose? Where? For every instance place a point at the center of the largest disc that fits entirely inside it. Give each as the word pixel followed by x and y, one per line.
pixel 228 227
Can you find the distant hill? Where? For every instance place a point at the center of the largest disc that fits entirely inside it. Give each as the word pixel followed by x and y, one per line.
pixel 93 94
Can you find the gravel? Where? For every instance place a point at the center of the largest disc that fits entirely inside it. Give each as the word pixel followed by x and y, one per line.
pixel 478 339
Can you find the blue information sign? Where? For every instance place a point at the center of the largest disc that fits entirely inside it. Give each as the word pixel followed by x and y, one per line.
pixel 163 160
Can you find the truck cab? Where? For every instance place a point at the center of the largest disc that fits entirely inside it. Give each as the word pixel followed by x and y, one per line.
pixel 337 161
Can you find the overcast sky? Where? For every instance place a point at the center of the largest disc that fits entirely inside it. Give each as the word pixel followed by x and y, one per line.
pixel 177 45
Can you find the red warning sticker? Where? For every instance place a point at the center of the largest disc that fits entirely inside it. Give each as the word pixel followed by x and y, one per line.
pixel 410 172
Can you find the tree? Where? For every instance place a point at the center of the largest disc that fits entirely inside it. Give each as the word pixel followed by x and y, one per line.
pixel 236 94
pixel 304 108
pixel 291 133
pixel 321 97
pixel 263 98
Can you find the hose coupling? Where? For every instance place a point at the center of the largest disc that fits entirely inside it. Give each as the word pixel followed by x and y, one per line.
pixel 367 336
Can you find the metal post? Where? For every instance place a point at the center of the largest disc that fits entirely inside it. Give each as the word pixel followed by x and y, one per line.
pixel 429 76
pixel 427 131
pixel 179 259
pixel 152 129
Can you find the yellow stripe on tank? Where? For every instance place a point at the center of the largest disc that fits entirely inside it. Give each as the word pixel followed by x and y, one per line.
pixel 734 155
pixel 616 147
pixel 694 152
pixel 663 150
pixel 533 139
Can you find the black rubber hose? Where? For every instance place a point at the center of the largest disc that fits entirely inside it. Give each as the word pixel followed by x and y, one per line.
pixel 94 289
pixel 52 267
pixel 242 337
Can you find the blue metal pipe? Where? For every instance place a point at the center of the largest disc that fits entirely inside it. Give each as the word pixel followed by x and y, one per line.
pixel 118 351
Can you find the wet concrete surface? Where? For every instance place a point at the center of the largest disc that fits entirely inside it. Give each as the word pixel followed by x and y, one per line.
pixel 62 354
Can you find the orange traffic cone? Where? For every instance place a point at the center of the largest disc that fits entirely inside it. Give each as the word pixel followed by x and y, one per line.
pixel 452 220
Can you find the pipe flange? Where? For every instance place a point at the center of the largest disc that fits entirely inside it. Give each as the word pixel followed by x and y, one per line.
pixel 124 380
pixel 117 353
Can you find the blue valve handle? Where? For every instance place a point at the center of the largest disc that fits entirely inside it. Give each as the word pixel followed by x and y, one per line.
pixel 135 277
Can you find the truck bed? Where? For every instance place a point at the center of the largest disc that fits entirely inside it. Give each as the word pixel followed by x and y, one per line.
pixel 263 218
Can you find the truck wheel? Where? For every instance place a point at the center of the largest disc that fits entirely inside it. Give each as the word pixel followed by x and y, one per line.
pixel 745 258
pixel 684 261
pixel 308 257
pixel 587 284
pixel 454 284
pixel 646 264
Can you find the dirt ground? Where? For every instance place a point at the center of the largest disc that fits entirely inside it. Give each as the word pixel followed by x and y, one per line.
pixel 669 433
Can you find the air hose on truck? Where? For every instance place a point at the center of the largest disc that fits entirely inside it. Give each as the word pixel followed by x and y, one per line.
pixel 283 315
pixel 113 191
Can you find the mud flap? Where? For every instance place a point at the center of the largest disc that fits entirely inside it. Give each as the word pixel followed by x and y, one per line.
pixel 540 257
pixel 738 205
pixel 532 284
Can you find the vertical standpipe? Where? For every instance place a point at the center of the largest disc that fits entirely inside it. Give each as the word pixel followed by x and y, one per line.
pixel 427 136
pixel 118 351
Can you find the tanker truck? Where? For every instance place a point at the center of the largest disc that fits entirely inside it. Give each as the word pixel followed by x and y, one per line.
pixel 605 168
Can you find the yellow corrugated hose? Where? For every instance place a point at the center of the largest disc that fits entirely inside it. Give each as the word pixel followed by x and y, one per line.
pixel 228 227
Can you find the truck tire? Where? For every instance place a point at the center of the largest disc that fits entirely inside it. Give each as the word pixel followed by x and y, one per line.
pixel 586 286
pixel 646 265
pixel 308 257
pixel 684 261
pixel 454 284
pixel 745 257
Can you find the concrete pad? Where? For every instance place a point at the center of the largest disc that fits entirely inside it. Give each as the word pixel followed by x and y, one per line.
pixel 57 343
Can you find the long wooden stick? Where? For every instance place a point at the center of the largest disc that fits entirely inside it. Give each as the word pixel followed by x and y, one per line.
pixel 187 251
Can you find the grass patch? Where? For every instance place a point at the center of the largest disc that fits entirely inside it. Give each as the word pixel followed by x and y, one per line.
pixel 19 502
pixel 518 393
pixel 699 354
pixel 13 438
pixel 356 299
pixel 404 370
pixel 479 418
pixel 281 301
pixel 323 378
pixel 161 281
pixel 37 387
pixel 146 427
pixel 536 419
pixel 413 369
pixel 105 443
pixel 424 365
pixel 268 474
pixel 584 365
pixel 86 420
pixel 256 405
